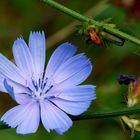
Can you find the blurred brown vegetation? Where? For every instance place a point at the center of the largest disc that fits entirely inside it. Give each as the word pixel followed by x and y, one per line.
pixel 19 17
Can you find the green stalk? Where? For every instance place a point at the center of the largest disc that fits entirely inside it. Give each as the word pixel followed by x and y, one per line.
pixel 98 115
pixel 83 18
pixel 108 114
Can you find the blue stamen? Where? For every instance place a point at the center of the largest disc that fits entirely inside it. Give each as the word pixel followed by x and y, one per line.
pixel 51 97
pixel 39 82
pixel 49 89
pixel 34 84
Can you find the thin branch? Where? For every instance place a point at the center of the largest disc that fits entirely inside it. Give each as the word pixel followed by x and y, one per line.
pixel 108 114
pixel 70 28
pixel 98 115
pixel 83 18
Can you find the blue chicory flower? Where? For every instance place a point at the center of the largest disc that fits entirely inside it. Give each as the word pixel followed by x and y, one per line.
pixel 45 95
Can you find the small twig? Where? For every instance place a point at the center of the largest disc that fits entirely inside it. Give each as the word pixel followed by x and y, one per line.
pixel 83 18
pixel 70 28
pixel 108 114
pixel 98 115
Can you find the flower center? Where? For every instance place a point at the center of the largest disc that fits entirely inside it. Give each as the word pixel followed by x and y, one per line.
pixel 40 88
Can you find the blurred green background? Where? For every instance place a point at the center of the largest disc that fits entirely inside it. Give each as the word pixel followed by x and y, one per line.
pixel 19 17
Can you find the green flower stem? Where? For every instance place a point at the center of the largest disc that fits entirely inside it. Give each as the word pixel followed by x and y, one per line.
pixel 70 12
pixel 98 115
pixel 108 114
pixel 83 18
